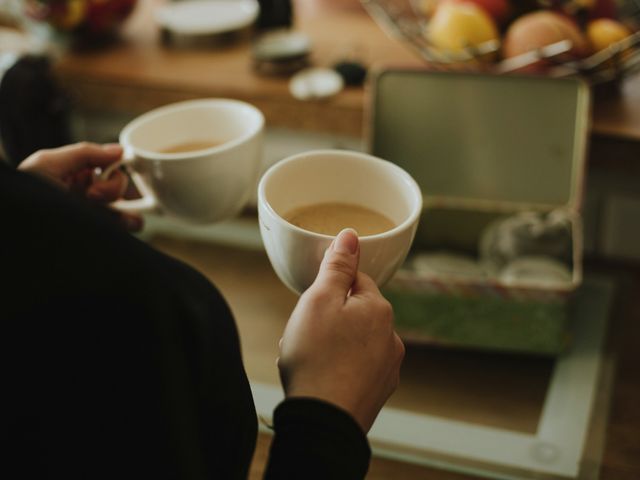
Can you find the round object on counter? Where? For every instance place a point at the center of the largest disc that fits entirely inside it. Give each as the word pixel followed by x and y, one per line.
pixel 538 270
pixel 281 52
pixel 281 45
pixel 315 83
pixel 205 17
pixel 445 264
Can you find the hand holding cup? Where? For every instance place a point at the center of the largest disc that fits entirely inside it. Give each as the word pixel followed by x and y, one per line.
pixel 196 161
pixel 339 344
pixel 340 189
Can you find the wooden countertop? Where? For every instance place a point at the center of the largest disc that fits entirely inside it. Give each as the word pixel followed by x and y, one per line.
pixel 141 72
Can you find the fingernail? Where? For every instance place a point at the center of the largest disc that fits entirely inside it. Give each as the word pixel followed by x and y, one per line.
pixel 346 241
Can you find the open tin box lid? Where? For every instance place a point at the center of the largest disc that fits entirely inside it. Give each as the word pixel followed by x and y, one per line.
pixel 485 139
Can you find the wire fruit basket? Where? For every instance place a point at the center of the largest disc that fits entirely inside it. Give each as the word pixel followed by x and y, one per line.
pixel 408 21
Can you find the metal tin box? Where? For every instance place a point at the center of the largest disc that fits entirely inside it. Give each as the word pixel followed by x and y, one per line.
pixel 482 146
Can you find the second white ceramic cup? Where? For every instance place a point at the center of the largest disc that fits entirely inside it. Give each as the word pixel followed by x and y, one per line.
pixel 336 176
pixel 200 186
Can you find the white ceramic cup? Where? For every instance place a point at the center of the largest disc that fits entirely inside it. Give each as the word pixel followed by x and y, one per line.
pixel 328 176
pixel 200 186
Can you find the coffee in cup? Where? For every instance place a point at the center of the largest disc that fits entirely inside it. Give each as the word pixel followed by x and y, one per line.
pixel 327 190
pixel 196 160
pixel 333 217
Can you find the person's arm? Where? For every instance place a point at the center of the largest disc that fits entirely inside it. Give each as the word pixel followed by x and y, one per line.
pixel 339 362
pixel 123 358
pixel 314 439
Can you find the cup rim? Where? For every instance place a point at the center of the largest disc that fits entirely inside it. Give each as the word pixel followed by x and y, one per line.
pixel 407 223
pixel 126 132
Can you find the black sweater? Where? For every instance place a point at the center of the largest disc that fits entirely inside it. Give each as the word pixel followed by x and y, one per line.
pixel 121 362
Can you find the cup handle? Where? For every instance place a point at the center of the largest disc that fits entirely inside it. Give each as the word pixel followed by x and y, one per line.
pixel 147 202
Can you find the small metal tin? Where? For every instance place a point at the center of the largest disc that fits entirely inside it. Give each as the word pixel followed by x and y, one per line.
pixel 281 52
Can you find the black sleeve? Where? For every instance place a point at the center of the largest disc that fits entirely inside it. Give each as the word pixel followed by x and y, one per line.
pixel 116 360
pixel 316 440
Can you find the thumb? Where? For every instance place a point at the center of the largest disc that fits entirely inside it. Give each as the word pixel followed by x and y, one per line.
pixel 339 267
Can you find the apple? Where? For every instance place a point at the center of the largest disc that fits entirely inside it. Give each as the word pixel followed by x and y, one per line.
pixel 499 10
pixel 541 28
pixel 104 16
pixel 94 18
pixel 459 25
pixel 67 14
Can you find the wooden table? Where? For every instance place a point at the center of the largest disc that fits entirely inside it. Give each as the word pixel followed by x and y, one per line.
pixel 140 73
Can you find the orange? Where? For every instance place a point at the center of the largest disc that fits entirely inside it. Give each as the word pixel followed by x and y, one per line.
pixel 604 32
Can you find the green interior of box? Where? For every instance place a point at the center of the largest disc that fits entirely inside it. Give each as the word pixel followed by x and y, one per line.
pixel 485 323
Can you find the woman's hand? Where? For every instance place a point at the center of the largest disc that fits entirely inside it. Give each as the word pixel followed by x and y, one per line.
pixel 340 345
pixel 72 167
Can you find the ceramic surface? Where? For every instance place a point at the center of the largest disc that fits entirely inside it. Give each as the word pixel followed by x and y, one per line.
pixel 335 176
pixel 201 186
pixel 203 17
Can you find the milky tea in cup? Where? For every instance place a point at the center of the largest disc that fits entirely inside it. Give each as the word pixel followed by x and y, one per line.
pixel 332 217
pixel 306 199
pixel 196 160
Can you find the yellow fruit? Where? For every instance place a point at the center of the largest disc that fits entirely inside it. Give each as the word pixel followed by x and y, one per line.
pixel 456 26
pixel 604 32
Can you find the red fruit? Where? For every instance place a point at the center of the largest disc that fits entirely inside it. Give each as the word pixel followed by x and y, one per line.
pixel 604 9
pixel 541 28
pixel 104 16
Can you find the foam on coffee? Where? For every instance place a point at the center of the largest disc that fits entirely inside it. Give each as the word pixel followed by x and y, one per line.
pixel 331 218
